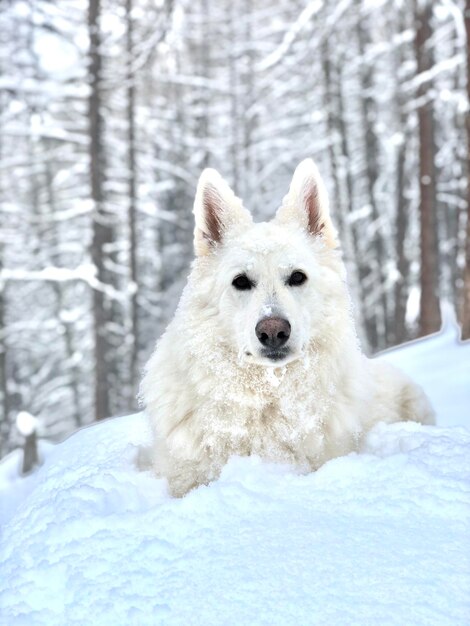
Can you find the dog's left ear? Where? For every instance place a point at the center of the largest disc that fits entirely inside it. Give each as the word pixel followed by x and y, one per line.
pixel 307 204
pixel 217 210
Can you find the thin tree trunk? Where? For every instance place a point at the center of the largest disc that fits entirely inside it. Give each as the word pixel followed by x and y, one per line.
pixel 5 418
pixel 401 216
pixel 30 453
pixel 102 231
pixel 204 52
pixel 466 277
pixel 132 209
pixel 332 131
pixel 234 96
pixel 429 316
pixel 371 175
pixel 249 118
pixel 401 223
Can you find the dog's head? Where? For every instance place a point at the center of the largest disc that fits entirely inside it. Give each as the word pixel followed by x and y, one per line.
pixel 272 284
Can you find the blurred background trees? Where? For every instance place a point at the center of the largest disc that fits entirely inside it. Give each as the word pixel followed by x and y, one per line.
pixel 109 110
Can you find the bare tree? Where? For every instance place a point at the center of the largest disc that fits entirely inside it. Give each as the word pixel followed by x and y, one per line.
pixel 30 453
pixel 466 278
pixel 5 418
pixel 430 316
pixel 402 217
pixel 102 229
pixel 371 166
pixel 132 192
pixel 5 415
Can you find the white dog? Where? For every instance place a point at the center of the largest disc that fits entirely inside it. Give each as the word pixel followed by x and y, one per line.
pixel 262 356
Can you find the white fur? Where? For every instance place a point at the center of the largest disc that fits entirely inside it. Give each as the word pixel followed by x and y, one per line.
pixel 208 390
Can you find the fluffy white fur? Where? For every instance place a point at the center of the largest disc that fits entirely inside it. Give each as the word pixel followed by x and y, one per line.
pixel 208 390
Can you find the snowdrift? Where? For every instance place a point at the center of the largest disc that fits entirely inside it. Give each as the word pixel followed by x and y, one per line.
pixel 379 537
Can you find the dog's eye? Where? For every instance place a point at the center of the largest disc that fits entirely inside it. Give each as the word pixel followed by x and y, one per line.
pixel 297 278
pixel 242 282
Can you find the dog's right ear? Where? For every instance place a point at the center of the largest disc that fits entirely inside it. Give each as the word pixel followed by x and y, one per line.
pixel 307 204
pixel 216 210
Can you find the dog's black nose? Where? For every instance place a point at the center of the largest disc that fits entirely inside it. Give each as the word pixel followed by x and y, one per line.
pixel 273 332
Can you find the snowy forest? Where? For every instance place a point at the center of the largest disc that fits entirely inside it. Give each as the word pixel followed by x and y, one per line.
pixel 109 111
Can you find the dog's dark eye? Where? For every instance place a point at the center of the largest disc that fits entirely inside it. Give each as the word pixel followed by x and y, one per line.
pixel 297 278
pixel 242 283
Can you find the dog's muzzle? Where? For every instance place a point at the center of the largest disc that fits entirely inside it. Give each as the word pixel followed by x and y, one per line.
pixel 273 334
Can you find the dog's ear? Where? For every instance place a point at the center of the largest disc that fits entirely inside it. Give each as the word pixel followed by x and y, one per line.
pixel 216 210
pixel 307 204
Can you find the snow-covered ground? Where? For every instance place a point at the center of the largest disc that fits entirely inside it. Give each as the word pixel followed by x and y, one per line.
pixel 376 538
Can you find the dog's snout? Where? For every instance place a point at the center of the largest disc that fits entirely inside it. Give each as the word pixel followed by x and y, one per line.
pixel 273 332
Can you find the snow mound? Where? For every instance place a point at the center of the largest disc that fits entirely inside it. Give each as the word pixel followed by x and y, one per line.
pixel 379 537
pixel 371 538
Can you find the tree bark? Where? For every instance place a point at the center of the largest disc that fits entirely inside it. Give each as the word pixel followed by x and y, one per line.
pixel 401 288
pixel 102 230
pixel 30 453
pixel 233 20
pixel 401 227
pixel 132 190
pixel 466 277
pixel 5 418
pixel 429 315
pixel 371 175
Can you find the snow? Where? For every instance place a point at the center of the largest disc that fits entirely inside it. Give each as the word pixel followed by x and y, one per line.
pixel 26 423
pixel 372 538
pixel 85 272
pixel 441 365
pixel 14 488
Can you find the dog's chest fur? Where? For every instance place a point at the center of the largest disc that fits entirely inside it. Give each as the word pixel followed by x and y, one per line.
pixel 283 415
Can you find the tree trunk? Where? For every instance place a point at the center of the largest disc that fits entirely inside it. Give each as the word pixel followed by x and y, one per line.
pixel 5 418
pixel 429 316
pixel 30 453
pixel 102 230
pixel 248 182
pixel 371 155
pixel 401 288
pixel 466 277
pixel 132 173
pixel 234 96
pixel 204 97
pixel 401 227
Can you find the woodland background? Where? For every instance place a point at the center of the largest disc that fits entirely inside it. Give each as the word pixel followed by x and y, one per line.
pixel 109 110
